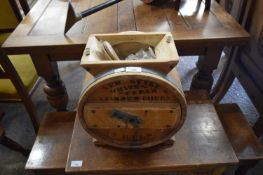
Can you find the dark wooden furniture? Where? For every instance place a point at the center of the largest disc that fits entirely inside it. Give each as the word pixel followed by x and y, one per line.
pixel 24 5
pixel 7 71
pixel 244 141
pixel 246 61
pixel 18 13
pixel 245 64
pixel 201 142
pixel 208 147
pixel 205 145
pixel 196 32
pixel 4 140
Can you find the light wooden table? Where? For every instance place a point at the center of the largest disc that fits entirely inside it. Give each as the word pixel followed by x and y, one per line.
pixel 196 32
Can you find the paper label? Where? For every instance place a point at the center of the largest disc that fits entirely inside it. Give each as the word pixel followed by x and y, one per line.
pixel 119 70
pixel 133 69
pixel 76 163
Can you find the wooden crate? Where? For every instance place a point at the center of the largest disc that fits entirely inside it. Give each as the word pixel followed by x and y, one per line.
pixel 127 43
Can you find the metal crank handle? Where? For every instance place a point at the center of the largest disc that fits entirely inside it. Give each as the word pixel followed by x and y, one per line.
pixel 97 8
pixel 73 17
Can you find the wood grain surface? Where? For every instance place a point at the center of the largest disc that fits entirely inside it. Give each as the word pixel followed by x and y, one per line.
pixel 201 143
pixel 196 31
pixel 129 109
pixel 50 149
pixel 44 25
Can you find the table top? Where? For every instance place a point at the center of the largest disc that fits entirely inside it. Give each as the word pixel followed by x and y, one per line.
pixel 191 26
pixel 202 142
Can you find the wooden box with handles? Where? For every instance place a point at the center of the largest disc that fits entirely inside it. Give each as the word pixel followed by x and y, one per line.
pixel 124 44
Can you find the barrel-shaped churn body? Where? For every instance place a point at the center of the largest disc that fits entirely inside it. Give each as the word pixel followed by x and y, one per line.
pixel 132 107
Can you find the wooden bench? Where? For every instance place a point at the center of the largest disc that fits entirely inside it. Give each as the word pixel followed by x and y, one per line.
pixel 243 139
pixel 50 149
pixel 55 133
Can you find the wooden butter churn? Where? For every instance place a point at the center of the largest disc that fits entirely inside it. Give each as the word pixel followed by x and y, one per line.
pixel 131 103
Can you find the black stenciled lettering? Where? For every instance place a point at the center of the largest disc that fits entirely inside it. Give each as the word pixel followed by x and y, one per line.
pixel 141 91
pixel 134 92
pixel 151 84
pixel 120 89
pixel 136 98
pixel 147 91
pixel 145 82
pixel 123 98
pixel 154 90
pixel 116 99
pixel 138 81
pixel 117 83
pixel 133 81
pixel 110 85
pixel 136 86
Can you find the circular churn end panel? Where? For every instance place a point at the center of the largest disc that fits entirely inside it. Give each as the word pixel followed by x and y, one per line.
pixel 132 107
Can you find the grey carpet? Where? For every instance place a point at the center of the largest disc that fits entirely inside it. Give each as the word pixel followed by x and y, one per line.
pixel 18 126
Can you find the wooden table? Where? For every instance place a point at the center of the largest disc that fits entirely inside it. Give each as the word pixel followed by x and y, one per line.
pixel 196 32
pixel 201 146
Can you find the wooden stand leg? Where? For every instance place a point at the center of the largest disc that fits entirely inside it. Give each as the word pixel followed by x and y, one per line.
pixel 12 144
pixel 258 127
pixel 177 4
pixel 206 65
pixel 225 80
pixel 25 6
pixel 207 4
pixel 21 89
pixel 54 88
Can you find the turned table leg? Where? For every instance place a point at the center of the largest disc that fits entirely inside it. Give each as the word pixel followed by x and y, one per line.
pixel 54 87
pixel 206 65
